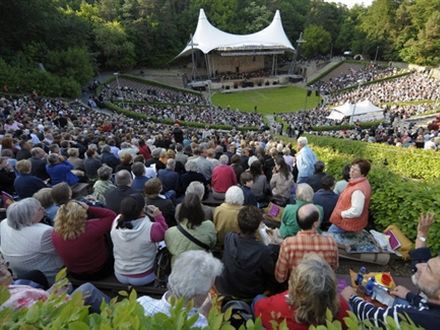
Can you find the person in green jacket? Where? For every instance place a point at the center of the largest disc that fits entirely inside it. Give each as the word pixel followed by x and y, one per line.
pixel 289 225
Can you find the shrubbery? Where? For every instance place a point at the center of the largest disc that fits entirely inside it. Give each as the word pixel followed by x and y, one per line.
pixel 405 182
pixel 363 125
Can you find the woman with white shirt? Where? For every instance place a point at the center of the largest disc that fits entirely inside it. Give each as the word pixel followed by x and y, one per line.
pixel 351 211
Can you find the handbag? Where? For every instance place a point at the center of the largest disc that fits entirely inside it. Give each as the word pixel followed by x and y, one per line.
pixel 192 238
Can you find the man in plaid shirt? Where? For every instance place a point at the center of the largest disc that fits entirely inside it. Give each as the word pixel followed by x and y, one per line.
pixel 308 240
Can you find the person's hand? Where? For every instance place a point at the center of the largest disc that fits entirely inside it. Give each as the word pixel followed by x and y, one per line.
pixel 348 292
pixel 400 291
pixel 425 222
pixel 153 211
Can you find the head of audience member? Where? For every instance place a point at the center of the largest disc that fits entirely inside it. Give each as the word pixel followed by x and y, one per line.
pixel 44 196
pixel 246 179
pixel 192 166
pixel 123 178
pixel 156 153
pixel 139 159
pixel 61 193
pixel 346 172
pixel 281 167
pixel 70 220
pixel 152 188
pixel 197 188
pixel 38 152
pixel 132 208
pixel 327 182
pixel 256 168
pixel 301 142
pixel 249 219
pixel 224 160
pixel 23 167
pixel 193 275
pixel 104 172
pixel 359 168
pixel 427 279
pixel 235 159
pixel 234 195
pixel 312 290
pixel 54 158
pixel 319 167
pixel 24 213
pixel 304 192
pixel 126 158
pixel 138 169
pixel 191 210
pixel 171 164
pixel 308 217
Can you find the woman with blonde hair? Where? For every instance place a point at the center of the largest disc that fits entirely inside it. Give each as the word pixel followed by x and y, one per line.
pixel 312 290
pixel 79 237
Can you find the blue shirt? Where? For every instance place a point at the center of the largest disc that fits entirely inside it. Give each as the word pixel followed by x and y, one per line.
pixel 305 162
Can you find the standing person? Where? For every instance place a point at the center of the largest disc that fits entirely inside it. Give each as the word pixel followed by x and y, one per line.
pixel 305 160
pixel 351 210
pixel 134 238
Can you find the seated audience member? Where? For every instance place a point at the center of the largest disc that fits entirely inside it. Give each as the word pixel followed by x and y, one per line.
pixel 326 198
pixel 351 211
pixel 341 184
pixel 125 163
pixel 197 188
pixel 282 180
pixel 61 193
pixel 191 279
pixel 226 215
pixel 7 176
pixel 24 296
pixel 314 181
pixel 59 170
pixel 113 197
pixel 140 179
pixel 152 191
pixel 134 238
pixel 79 237
pixel 26 243
pixel 289 224
pixel 237 165
pixel 422 308
pixel 247 180
pixel 248 263
pixel 44 196
pixel 104 183
pixel 169 177
pixel 26 184
pixel 91 164
pixel 191 175
pixel 38 162
pixel 308 240
pixel 108 158
pixel 191 218
pixel 312 290
pixel 75 160
pixel 223 177
pixel 260 188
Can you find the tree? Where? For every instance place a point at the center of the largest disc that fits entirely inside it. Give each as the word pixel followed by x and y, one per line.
pixel 318 41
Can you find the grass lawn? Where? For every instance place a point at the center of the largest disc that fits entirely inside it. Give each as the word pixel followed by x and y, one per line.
pixel 268 101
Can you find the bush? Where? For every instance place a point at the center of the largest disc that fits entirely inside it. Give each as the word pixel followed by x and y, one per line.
pixel 363 125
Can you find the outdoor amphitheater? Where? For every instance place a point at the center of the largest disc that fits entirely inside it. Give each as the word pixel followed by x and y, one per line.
pixel 260 174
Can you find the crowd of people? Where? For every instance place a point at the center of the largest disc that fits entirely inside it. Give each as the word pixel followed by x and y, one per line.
pixel 175 105
pixel 150 182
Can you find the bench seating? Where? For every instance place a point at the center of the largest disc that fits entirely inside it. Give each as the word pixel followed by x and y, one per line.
pixel 111 287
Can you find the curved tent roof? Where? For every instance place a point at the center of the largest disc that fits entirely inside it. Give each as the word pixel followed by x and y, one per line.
pixel 207 37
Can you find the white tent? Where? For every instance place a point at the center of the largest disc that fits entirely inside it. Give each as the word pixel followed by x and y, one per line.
pixel 362 111
pixel 207 38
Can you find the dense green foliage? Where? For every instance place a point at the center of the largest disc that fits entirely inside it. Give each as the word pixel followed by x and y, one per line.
pixel 366 124
pixel 405 182
pixel 73 38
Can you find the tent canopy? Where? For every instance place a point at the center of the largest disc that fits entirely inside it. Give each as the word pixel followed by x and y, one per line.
pixel 363 111
pixel 207 38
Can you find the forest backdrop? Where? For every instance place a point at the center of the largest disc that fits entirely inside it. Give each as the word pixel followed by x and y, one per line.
pixel 56 46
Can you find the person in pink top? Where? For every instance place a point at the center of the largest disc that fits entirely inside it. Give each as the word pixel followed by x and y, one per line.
pixel 80 239
pixel 223 177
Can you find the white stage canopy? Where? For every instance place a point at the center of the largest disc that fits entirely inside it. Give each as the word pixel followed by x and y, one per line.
pixel 362 111
pixel 207 38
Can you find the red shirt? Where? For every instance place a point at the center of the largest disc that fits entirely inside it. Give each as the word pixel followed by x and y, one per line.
pixel 87 253
pixel 223 177
pixel 276 308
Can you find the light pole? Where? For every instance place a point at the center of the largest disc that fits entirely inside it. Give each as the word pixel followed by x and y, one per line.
pixel 299 42
pixel 377 52
pixel 116 74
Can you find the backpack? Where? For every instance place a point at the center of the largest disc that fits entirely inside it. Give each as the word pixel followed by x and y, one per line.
pixel 241 312
pixel 162 266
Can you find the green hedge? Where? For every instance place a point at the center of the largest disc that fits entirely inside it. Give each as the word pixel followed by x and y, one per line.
pixel 141 116
pixel 408 185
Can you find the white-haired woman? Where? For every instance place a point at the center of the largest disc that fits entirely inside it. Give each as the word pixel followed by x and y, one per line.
pixel 312 290
pixel 26 243
pixel 226 215
pixel 191 279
